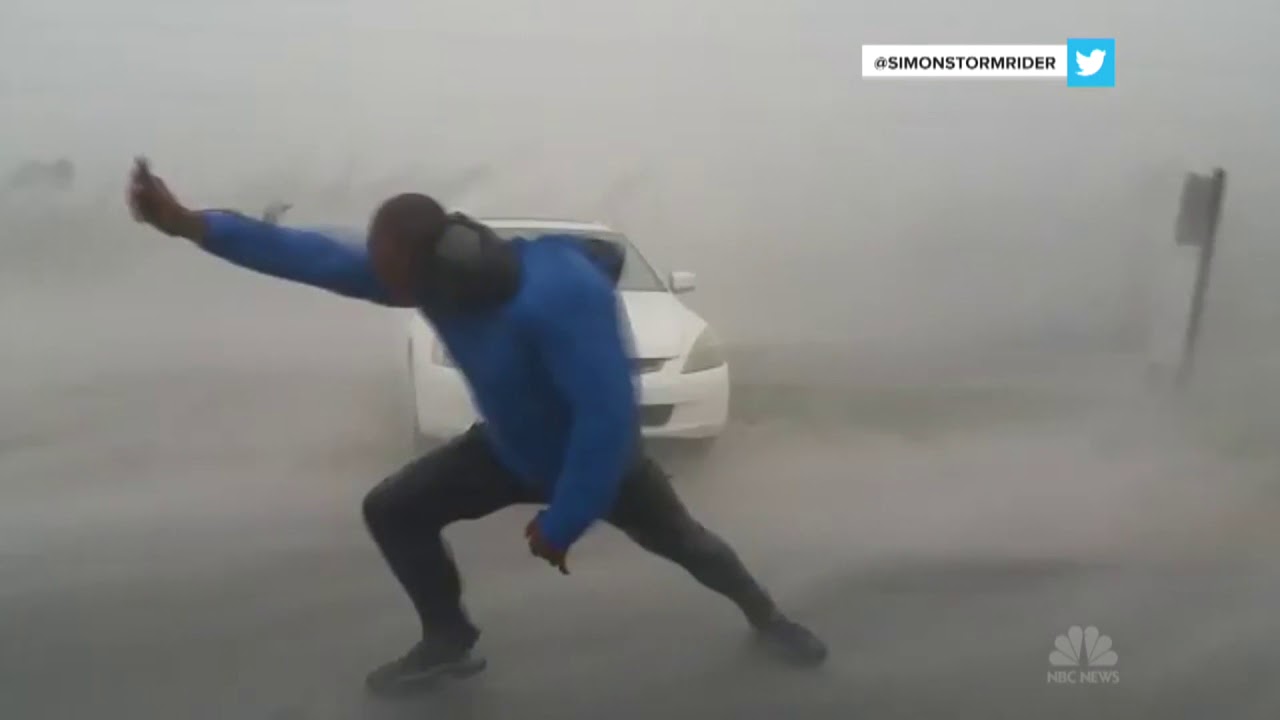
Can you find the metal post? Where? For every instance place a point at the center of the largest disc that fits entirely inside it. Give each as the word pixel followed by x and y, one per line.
pixel 1202 231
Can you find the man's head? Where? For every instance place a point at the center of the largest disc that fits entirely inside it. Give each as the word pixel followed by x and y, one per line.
pixel 431 259
pixel 402 237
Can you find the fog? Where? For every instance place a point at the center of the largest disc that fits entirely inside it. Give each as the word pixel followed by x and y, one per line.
pixel 736 140
pixel 938 296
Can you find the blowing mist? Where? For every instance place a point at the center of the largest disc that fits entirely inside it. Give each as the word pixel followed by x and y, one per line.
pixel 949 310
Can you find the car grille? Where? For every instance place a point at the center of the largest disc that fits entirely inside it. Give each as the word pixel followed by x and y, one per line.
pixel 655 415
pixel 644 366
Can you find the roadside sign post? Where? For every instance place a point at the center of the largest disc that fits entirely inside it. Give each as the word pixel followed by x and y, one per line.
pixel 1197 227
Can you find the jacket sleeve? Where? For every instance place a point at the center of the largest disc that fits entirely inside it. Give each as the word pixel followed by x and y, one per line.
pixel 579 333
pixel 302 256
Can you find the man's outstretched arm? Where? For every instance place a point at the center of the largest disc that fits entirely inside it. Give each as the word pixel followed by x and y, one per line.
pixel 301 256
pixel 298 255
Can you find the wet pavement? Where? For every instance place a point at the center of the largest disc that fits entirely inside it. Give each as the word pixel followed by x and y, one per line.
pixel 180 477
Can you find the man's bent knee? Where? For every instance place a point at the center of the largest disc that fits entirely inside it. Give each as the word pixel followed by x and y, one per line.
pixel 384 507
pixel 377 507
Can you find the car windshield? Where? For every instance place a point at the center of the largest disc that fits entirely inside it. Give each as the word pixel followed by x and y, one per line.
pixel 637 274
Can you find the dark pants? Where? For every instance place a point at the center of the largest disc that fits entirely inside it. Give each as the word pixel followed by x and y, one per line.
pixel 462 480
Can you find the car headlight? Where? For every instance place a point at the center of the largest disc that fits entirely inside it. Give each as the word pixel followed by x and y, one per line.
pixel 707 353
pixel 440 356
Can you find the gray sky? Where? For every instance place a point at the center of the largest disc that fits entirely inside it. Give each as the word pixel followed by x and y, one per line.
pixel 733 138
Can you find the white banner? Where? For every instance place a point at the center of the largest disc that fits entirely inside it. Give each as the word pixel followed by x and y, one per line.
pixel 959 61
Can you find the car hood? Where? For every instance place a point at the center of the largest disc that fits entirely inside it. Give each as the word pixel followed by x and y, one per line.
pixel 661 325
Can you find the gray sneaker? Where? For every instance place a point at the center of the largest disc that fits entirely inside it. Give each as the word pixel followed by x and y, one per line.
pixel 424 664
pixel 791 642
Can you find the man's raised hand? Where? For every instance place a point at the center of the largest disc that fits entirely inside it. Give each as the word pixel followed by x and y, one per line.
pixel 151 203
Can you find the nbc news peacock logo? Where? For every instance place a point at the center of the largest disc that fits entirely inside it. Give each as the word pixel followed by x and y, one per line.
pixel 1079 656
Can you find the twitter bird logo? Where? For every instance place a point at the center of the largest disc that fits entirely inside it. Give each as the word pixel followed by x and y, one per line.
pixel 1095 62
pixel 1090 64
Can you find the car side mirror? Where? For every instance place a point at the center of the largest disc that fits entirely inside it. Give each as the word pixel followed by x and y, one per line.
pixel 683 281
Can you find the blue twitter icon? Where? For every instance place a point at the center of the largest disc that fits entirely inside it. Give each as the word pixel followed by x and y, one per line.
pixel 1091 62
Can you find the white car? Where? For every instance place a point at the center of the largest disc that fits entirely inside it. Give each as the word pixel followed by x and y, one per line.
pixel 680 367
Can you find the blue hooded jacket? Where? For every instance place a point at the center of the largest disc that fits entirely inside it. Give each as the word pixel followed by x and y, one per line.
pixel 549 370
